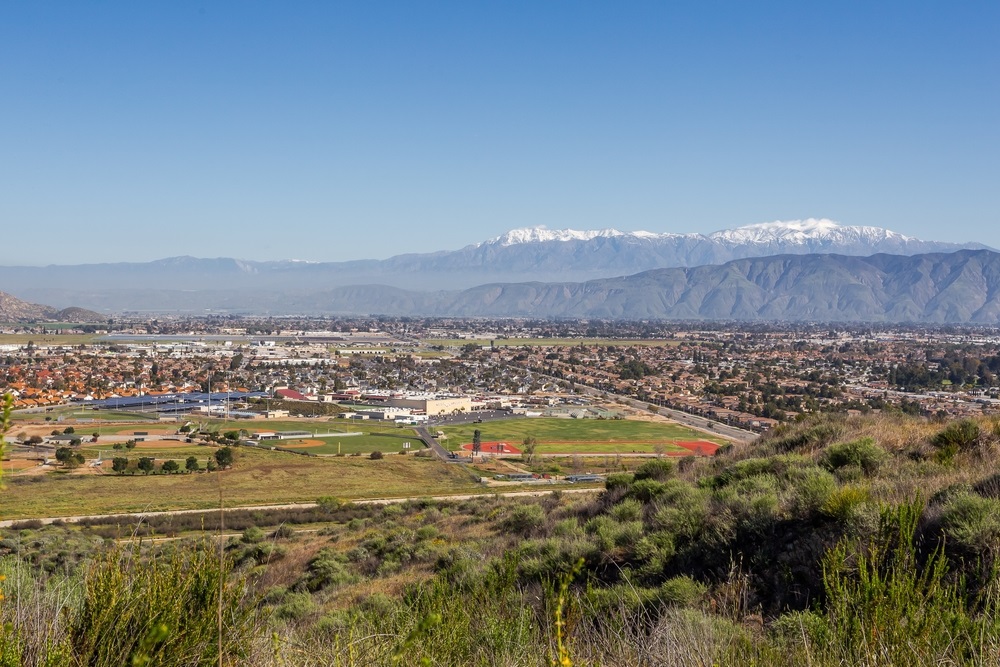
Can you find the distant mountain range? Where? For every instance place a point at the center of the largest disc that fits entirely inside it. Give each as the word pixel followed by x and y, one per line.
pixel 940 288
pixel 565 273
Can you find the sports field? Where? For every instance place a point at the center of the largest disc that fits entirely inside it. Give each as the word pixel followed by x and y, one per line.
pixel 590 436
pixel 367 443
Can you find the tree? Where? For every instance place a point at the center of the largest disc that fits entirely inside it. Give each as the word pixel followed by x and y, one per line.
pixel 119 464
pixel 191 464
pixel 224 457
pixel 170 466
pixel 68 457
pixel 376 455
pixel 130 445
pixel 68 430
pixel 528 447
pixel 146 465
pixel 35 440
pixel 477 441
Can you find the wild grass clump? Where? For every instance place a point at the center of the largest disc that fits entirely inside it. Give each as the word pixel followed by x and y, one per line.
pixel 162 611
pixel 888 606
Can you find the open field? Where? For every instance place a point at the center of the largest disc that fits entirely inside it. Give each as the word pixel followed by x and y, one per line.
pixel 387 443
pixel 258 478
pixel 568 436
pixel 158 449
pixel 548 342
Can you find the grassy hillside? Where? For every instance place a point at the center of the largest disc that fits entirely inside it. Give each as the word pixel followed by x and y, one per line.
pixel 865 541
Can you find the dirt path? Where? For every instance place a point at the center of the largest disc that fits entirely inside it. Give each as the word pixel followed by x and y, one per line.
pixel 287 506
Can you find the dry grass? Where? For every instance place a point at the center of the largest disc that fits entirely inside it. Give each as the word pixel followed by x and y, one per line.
pixel 258 478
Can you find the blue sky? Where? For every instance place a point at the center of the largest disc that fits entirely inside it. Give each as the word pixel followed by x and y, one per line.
pixel 340 130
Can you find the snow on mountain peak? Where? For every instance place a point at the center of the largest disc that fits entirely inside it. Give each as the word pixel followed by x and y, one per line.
pixel 819 232
pixel 543 234
pixel 804 231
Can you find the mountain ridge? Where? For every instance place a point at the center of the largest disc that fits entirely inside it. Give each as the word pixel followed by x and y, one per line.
pixel 191 284
pixel 961 287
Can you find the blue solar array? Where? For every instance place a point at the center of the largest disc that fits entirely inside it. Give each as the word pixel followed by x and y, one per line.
pixel 171 402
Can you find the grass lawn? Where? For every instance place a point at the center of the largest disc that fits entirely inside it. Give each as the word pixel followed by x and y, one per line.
pixel 258 478
pixel 548 342
pixel 388 443
pixel 567 436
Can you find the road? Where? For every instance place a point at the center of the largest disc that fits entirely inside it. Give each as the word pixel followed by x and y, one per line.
pixel 372 501
pixel 431 442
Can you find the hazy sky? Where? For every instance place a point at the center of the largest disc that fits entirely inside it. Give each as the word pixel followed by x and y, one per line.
pixel 339 130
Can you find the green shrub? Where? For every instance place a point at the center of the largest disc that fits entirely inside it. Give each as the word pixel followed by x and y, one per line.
pixel 282 532
pixel 523 518
pixel 252 535
pixel 682 591
pixel 427 533
pixel 647 490
pixel 812 489
pixel 295 606
pixel 972 523
pixel 744 469
pixel 567 528
pixel 844 503
pixel 863 453
pixel 618 480
pixel 658 469
pixel 627 510
pixel 682 510
pixel 957 436
pixel 327 570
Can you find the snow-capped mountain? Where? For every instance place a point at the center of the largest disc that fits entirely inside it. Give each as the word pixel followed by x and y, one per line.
pixel 793 232
pixel 521 255
pixel 545 235
pixel 807 231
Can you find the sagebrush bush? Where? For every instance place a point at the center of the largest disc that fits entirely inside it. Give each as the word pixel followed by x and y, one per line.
pixel 627 510
pixel 659 469
pixel 811 489
pixel 523 518
pixel 958 436
pixel 646 490
pixel 972 523
pixel 863 453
